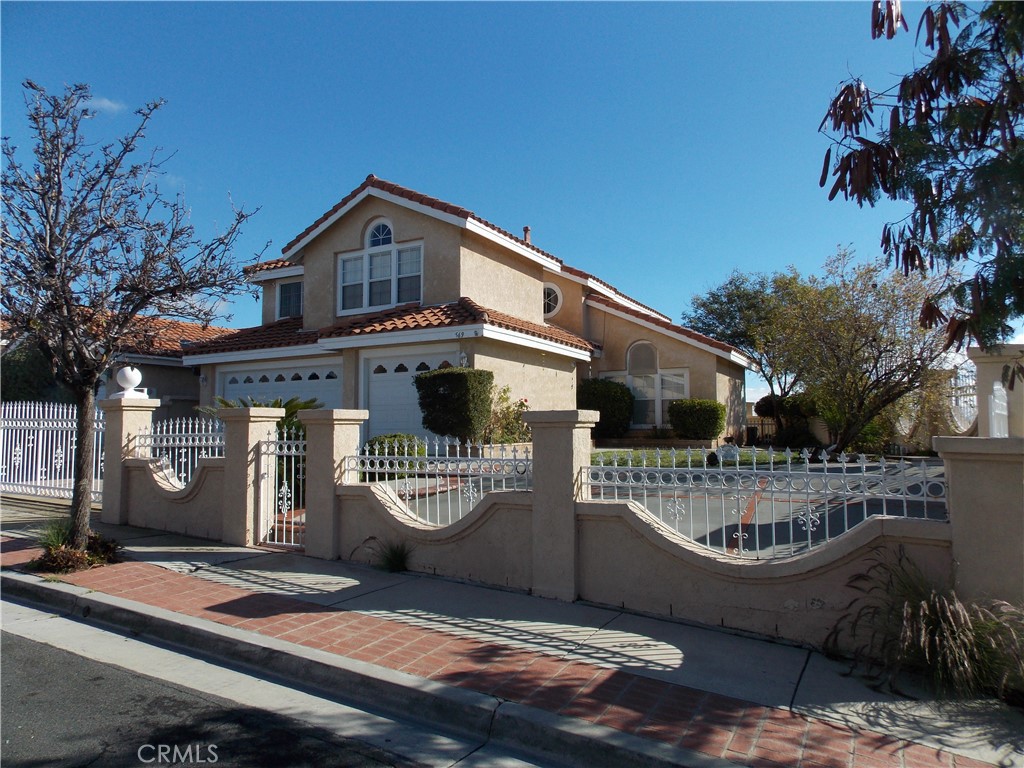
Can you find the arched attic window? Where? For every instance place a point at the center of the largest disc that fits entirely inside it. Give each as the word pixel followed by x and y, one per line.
pixel 380 234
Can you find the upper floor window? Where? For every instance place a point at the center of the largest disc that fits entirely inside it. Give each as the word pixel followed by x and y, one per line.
pixel 380 235
pixel 552 299
pixel 289 299
pixel 383 275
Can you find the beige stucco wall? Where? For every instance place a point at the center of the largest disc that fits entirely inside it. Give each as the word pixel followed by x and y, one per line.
pixel 546 380
pixel 177 387
pixel 711 377
pixel 798 599
pixel 196 510
pixel 491 545
pixel 571 315
pixel 497 279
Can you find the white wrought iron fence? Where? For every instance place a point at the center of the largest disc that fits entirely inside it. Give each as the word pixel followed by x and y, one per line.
pixel 439 480
pixel 37 449
pixel 283 488
pixel 179 444
pixel 780 507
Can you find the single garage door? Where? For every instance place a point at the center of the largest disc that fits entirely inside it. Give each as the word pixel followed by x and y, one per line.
pixel 391 393
pixel 267 383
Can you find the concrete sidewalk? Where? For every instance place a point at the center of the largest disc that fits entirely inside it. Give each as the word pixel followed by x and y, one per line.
pixel 598 685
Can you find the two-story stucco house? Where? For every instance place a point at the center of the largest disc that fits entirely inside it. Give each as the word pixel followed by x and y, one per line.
pixel 390 282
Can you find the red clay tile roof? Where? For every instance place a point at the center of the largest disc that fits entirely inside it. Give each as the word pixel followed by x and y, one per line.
pixel 407 317
pixel 154 336
pixel 415 197
pixel 283 333
pixel 263 266
pixel 462 312
pixel 167 338
pixel 678 329
pixel 587 276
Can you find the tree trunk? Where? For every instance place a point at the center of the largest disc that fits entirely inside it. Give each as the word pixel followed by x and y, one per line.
pixel 85 451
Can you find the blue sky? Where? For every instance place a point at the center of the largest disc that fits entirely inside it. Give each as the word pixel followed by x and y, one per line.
pixel 658 146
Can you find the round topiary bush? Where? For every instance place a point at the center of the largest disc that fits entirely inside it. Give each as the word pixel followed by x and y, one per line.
pixel 697 419
pixel 613 400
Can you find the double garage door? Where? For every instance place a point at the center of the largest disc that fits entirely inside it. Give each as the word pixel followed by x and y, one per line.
pixel 285 381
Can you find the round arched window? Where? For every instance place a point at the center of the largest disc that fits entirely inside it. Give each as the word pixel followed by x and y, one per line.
pixel 552 299
pixel 380 235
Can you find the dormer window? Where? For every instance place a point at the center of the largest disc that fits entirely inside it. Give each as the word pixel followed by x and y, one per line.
pixel 384 275
pixel 289 299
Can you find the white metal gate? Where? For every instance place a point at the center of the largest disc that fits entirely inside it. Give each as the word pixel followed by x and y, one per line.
pixel 282 478
pixel 37 450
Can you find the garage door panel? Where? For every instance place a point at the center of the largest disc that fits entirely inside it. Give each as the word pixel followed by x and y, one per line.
pixel 322 382
pixel 391 393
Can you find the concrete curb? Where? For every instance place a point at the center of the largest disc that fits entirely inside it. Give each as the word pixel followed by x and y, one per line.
pixel 471 714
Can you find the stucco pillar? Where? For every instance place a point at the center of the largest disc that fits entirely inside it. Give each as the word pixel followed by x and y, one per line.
pixel 331 436
pixel 985 498
pixel 125 418
pixel 990 370
pixel 244 428
pixel 561 448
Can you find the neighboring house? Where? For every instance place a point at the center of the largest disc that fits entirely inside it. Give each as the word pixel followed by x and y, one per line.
pixel 155 346
pixel 391 282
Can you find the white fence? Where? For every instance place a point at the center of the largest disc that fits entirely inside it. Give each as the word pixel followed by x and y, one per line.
pixel 282 496
pixel 37 449
pixel 773 504
pixel 440 481
pixel 179 444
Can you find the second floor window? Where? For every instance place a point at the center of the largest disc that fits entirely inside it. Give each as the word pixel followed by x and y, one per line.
pixel 289 300
pixel 380 277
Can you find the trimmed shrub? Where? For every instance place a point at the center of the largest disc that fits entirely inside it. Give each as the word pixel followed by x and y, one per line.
pixel 455 402
pixel 613 400
pixel 697 419
pixel 395 444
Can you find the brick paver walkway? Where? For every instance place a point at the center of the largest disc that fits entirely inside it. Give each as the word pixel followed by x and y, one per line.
pixel 720 726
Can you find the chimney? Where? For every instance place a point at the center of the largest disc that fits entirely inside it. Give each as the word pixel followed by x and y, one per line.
pixel 526 234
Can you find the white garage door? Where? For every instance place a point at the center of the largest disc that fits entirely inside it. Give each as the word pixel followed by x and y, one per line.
pixel 391 393
pixel 268 383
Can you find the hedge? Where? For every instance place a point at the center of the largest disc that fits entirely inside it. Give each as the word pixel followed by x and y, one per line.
pixel 697 419
pixel 455 402
pixel 613 400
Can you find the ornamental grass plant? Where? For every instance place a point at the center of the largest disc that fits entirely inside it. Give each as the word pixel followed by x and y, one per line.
pixel 900 622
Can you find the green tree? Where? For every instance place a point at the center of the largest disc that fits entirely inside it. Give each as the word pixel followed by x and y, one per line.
pixel 90 245
pixel 946 139
pixel 756 313
pixel 862 346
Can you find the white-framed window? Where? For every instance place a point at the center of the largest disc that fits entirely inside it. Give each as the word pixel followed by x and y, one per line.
pixel 552 299
pixel 382 275
pixel 289 299
pixel 653 388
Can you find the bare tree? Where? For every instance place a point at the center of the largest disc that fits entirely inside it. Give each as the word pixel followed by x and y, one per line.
pixel 91 247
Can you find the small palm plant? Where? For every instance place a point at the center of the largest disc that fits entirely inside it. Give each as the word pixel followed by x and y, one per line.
pixel 292 406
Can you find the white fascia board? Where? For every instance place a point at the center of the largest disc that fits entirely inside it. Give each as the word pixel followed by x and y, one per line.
pixel 533 342
pixel 277 274
pixel 173 362
pixel 510 243
pixel 249 355
pixel 731 356
pixel 390 338
pixel 381 194
pixel 611 293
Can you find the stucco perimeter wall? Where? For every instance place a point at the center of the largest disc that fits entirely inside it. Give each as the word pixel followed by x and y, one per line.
pixel 492 545
pixel 196 510
pixel 798 599
pixel 547 381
